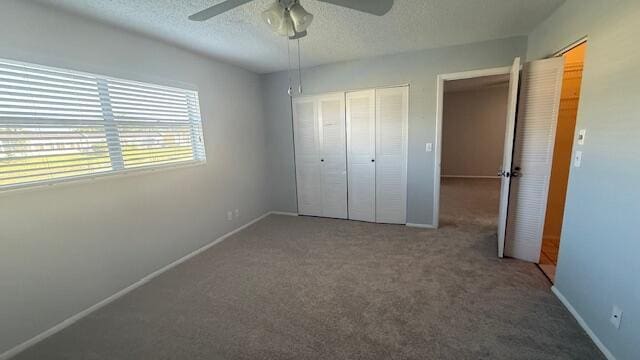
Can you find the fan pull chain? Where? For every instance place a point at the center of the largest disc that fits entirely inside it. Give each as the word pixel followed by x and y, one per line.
pixel 299 70
pixel 290 90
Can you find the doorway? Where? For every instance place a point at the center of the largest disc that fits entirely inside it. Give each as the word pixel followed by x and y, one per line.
pixel 512 72
pixel 534 99
pixel 474 117
pixel 562 156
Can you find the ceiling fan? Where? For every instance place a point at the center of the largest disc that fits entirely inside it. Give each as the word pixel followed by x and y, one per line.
pixel 289 18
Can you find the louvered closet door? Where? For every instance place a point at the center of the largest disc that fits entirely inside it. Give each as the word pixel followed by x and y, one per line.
pixel 361 147
pixel 331 115
pixel 392 111
pixel 307 148
pixel 533 152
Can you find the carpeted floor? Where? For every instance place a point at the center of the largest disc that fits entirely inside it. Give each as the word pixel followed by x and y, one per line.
pixel 468 202
pixel 313 288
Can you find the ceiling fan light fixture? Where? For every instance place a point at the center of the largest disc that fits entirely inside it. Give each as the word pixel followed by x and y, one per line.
pixel 300 17
pixel 286 27
pixel 274 16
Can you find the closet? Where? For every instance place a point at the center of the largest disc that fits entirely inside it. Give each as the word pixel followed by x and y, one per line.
pixel 320 152
pixel 351 154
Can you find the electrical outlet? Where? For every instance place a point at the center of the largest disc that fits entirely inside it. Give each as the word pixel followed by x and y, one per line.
pixel 616 316
pixel 229 215
pixel 237 213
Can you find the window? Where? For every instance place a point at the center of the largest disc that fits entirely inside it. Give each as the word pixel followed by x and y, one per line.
pixel 57 124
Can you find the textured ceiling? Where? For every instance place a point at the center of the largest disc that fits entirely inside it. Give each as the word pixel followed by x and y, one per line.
pixel 337 34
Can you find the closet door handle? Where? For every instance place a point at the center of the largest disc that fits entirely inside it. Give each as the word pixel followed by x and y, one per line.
pixel 373 160
pixel 322 160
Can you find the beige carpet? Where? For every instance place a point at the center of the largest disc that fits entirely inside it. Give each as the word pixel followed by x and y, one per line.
pixel 469 202
pixel 313 288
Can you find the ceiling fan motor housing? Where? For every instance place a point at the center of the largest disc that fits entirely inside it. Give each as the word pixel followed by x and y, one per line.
pixel 288 18
pixel 287 3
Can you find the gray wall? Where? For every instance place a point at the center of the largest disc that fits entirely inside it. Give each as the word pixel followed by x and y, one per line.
pixel 65 248
pixel 599 263
pixel 473 129
pixel 419 69
pixel 277 113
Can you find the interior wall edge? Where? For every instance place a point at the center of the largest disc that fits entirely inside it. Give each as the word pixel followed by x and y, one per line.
pixel 78 316
pixel 420 69
pixel 135 32
pixel 284 213
pixel 68 247
pixel 19 53
pixel 597 263
pixel 421 226
pixel 605 351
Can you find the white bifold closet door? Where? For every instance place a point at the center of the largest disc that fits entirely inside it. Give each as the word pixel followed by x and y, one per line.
pixel 307 155
pixel 361 150
pixel 320 152
pixel 333 150
pixel 538 108
pixel 392 112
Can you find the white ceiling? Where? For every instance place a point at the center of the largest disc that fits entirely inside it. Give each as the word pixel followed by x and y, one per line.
pixel 337 34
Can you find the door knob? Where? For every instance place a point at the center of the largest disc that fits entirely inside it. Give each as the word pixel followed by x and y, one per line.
pixel 515 172
pixel 373 160
pixel 504 174
pixel 322 160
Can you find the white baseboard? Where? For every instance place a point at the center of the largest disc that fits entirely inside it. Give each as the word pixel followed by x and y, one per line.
pixel 583 324
pixel 471 176
pixel 283 213
pixel 69 321
pixel 422 226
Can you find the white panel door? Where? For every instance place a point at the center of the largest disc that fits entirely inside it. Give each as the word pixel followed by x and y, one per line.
pixel 361 153
pixel 307 156
pixel 333 150
pixel 533 152
pixel 505 171
pixel 392 113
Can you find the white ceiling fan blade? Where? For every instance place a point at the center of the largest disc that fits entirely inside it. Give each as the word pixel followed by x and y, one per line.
pixel 217 9
pixel 375 7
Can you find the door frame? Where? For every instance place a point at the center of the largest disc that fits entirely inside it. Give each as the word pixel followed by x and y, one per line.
pixel 569 47
pixel 441 78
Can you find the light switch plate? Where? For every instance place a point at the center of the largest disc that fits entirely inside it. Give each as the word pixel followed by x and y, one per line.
pixel 577 159
pixel 428 147
pixel 581 135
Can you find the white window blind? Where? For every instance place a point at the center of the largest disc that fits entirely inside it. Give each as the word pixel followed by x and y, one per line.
pixel 58 124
